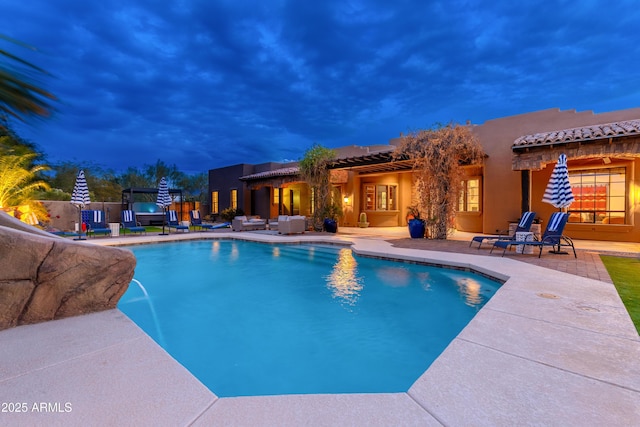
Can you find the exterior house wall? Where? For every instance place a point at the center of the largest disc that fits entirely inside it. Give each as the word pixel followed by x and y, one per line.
pixel 501 186
pixel 629 232
pixel 376 218
pixel 351 209
pixel 225 179
pixel 406 191
pixel 260 202
pixel 354 187
pixel 502 200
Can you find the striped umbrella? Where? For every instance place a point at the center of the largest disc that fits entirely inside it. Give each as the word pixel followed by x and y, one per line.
pixel 80 195
pixel 80 198
pixel 558 192
pixel 164 200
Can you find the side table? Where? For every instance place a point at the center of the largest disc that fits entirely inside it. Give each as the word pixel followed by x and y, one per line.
pixel 115 229
pixel 524 236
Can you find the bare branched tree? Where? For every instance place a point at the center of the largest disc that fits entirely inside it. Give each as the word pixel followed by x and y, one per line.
pixel 438 157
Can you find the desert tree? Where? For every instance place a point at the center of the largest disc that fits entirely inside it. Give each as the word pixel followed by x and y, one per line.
pixel 438 157
pixel 314 169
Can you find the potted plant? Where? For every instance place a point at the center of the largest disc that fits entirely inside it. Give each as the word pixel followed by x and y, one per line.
pixel 417 225
pixel 363 223
pixel 331 215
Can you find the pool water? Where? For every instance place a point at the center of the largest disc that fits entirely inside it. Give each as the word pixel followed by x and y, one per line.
pixel 252 319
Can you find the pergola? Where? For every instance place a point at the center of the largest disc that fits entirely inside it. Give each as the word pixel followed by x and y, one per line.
pixel 129 197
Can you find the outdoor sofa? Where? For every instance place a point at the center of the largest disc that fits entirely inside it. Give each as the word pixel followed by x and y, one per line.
pixel 292 224
pixel 245 223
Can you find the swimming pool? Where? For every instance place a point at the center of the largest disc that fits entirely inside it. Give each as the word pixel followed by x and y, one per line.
pixel 261 319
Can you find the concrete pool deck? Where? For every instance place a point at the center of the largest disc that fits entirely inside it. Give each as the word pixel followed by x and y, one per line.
pixel 550 348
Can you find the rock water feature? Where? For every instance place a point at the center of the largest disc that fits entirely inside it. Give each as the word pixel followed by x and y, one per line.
pixel 45 277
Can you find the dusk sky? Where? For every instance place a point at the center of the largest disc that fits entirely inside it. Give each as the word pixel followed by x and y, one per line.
pixel 205 84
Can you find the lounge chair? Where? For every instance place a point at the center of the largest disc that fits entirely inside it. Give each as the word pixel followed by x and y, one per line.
pixel 129 223
pixel 172 222
pixel 523 225
pixel 552 236
pixel 96 223
pixel 196 221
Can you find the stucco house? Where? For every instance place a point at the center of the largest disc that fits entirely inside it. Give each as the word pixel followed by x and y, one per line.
pixel 603 152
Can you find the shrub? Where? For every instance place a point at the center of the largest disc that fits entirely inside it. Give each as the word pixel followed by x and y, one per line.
pixel 229 213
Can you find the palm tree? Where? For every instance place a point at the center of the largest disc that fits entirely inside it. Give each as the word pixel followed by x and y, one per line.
pixel 20 96
pixel 18 181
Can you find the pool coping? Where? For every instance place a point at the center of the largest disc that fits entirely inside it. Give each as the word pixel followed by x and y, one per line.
pixel 567 354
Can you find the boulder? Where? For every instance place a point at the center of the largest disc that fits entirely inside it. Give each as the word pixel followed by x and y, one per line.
pixel 44 277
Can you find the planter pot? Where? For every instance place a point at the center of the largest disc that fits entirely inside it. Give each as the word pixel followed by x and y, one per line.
pixel 363 224
pixel 330 225
pixel 416 228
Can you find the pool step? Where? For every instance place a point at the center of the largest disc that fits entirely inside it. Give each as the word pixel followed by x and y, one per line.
pixel 318 254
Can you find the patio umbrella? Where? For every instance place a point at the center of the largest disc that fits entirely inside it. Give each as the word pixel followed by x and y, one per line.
pixel 164 200
pixel 558 192
pixel 80 198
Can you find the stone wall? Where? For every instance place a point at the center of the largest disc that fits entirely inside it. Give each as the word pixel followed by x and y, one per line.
pixel 45 277
pixel 64 215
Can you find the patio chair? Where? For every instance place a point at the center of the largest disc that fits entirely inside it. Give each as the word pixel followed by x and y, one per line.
pixel 129 223
pixel 552 237
pixel 196 221
pixel 96 223
pixel 172 222
pixel 523 225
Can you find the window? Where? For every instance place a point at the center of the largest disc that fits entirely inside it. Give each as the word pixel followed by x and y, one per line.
pixel 312 199
pixel 380 197
pixel 276 196
pixel 369 197
pixel 234 199
pixel 469 196
pixel 215 207
pixel 600 196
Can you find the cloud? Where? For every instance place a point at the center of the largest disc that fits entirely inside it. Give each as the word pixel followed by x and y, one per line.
pixel 205 84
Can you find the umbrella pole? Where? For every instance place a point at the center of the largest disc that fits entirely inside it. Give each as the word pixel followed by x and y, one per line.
pixel 164 220
pixel 79 224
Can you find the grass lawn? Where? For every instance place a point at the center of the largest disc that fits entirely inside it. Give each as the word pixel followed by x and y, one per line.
pixel 625 272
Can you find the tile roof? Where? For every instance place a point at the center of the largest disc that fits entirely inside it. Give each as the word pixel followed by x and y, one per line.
pixel 586 133
pixel 294 170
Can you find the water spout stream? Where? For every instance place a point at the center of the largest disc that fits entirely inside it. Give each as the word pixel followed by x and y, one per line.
pixel 161 340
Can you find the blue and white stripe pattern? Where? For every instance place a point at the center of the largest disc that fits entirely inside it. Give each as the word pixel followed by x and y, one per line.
pixel 525 219
pixel 555 221
pixel 164 200
pixel 558 192
pixel 80 195
pixel 128 217
pixel 93 217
